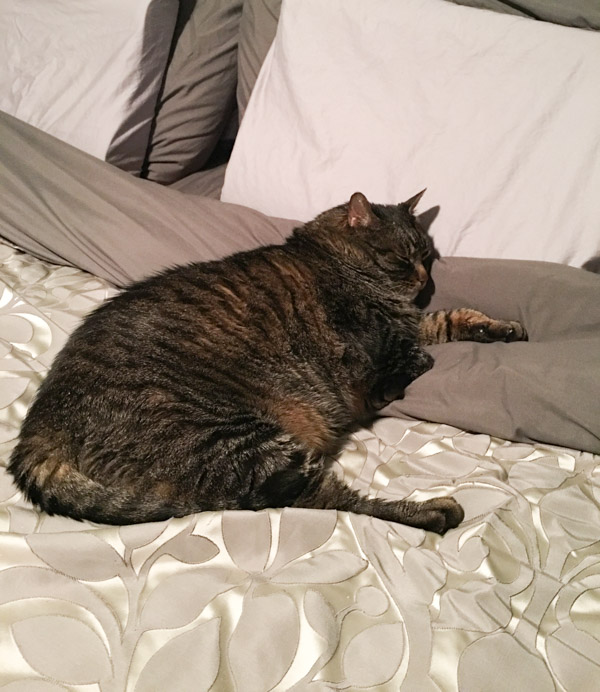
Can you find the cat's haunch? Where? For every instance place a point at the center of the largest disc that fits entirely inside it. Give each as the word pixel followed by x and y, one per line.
pixel 233 384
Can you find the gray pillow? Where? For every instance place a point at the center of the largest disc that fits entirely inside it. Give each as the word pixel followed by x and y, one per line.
pixel 584 14
pixel 198 95
pixel 68 207
pixel 546 389
pixel 207 183
pixel 257 31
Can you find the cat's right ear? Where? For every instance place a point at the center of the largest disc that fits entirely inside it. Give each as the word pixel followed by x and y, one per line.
pixel 414 200
pixel 359 211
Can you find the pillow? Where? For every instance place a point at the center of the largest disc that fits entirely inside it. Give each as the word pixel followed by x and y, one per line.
pixel 63 205
pixel 545 389
pixel 257 31
pixel 207 183
pixel 87 71
pixel 199 89
pixel 582 13
pixel 259 24
pixel 498 116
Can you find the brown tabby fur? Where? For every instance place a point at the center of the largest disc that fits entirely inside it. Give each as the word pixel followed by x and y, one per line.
pixel 232 384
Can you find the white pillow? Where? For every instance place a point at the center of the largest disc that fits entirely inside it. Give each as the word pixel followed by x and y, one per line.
pixel 498 116
pixel 87 71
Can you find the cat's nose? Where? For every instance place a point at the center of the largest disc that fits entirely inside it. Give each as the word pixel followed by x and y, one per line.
pixel 422 274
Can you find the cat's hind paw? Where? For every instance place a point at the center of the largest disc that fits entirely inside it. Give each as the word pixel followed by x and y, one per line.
pixel 440 514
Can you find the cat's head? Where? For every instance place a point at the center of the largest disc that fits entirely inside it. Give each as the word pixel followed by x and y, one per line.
pixel 384 241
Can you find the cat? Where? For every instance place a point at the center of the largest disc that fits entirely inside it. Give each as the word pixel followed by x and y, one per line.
pixel 232 384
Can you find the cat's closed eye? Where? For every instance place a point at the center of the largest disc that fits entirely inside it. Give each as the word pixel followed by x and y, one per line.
pixel 397 262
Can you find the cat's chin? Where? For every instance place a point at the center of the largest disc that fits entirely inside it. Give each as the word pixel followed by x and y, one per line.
pixel 412 293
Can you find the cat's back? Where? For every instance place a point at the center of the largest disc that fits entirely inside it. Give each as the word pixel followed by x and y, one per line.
pixel 205 330
pixel 254 300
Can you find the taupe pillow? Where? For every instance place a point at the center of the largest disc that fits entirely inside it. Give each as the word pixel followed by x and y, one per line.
pixel 63 205
pixel 584 14
pixel 198 95
pixel 546 389
pixel 257 31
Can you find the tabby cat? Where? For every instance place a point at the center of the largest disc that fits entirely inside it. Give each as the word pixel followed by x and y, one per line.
pixel 233 384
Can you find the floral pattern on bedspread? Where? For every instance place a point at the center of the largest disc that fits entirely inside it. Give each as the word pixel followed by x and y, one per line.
pixel 299 599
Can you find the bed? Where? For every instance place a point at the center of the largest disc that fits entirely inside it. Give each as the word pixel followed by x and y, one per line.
pixel 319 600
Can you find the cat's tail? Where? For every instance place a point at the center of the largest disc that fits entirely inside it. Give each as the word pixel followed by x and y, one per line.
pixel 57 487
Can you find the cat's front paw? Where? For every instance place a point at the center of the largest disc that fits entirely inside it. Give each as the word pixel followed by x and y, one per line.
pixel 418 362
pixel 414 362
pixel 499 330
pixel 472 325
pixel 516 332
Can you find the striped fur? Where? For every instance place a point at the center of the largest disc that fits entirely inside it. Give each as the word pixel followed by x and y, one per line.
pixel 232 384
pixel 465 324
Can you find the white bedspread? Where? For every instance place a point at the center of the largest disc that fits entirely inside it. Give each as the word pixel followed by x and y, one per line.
pixel 299 599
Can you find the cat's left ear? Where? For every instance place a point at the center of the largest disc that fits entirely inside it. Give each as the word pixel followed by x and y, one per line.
pixel 359 211
pixel 413 201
